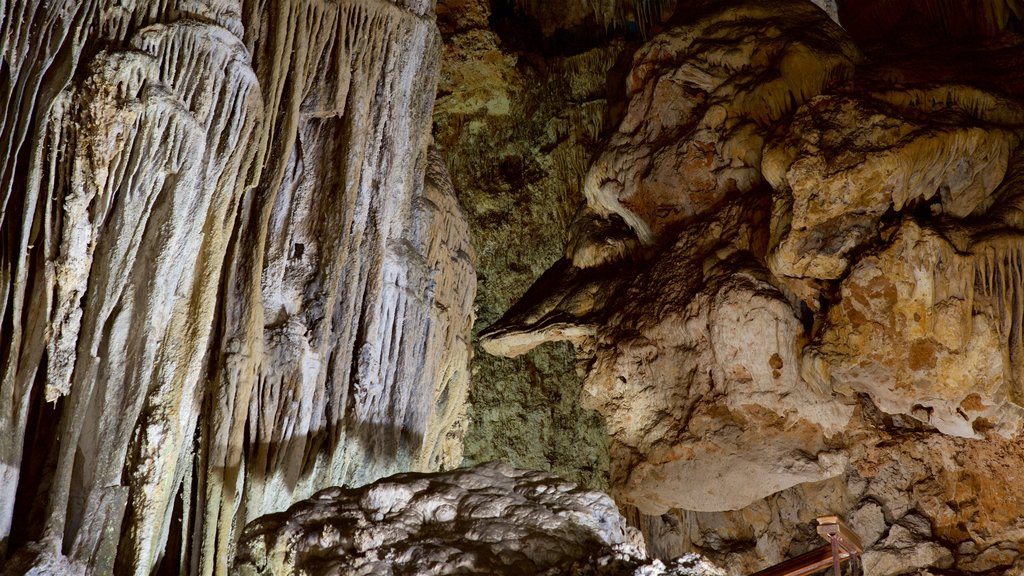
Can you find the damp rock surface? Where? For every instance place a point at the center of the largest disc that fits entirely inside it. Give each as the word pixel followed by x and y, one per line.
pixel 794 288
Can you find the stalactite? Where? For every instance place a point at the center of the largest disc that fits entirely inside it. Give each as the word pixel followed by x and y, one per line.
pixel 331 401
pixel 26 58
pixel 332 347
pixel 612 14
pixel 999 291
pixel 989 107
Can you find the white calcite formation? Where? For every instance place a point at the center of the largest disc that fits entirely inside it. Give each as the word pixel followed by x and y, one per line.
pixel 232 272
pixel 491 519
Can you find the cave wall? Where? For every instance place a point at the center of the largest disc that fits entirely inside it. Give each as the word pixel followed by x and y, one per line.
pixel 793 287
pixel 775 268
pixel 233 271
pixel 517 130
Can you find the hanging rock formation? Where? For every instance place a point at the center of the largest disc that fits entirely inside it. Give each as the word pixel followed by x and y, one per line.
pixel 232 272
pixel 688 150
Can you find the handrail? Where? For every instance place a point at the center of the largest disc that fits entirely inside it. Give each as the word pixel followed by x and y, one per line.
pixel 843 545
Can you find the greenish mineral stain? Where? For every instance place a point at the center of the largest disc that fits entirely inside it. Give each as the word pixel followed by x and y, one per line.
pixel 526 412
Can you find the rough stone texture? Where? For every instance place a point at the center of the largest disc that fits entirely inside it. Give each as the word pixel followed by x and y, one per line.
pixel 847 161
pixel 585 15
pixel 904 331
pixel 690 140
pixel 819 312
pixel 698 97
pixel 745 412
pixel 517 131
pixel 491 519
pixel 694 446
pixel 231 273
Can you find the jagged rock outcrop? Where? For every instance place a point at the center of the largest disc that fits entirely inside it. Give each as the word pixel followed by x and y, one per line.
pixel 830 284
pixel 684 166
pixel 491 519
pixel 232 273
pixel 690 139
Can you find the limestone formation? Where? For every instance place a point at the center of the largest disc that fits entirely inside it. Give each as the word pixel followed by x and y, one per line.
pixel 730 337
pixel 492 519
pixel 687 392
pixel 781 259
pixel 795 289
pixel 517 133
pixel 699 97
pixel 846 162
pixel 690 140
pixel 232 272
pixel 905 332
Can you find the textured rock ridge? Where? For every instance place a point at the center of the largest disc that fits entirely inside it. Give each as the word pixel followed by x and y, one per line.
pixel 232 273
pixel 491 519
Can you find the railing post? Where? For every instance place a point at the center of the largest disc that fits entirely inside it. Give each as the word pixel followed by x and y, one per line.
pixel 843 544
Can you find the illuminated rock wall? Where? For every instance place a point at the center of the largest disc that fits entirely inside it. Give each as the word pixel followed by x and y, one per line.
pixel 232 271
pixel 795 288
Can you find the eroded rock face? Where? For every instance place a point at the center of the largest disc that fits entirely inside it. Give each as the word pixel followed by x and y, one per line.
pixel 744 412
pixel 684 165
pixel 699 96
pixel 233 273
pixel 832 283
pixel 491 519
pixel 924 322
pixel 517 131
pixel 905 332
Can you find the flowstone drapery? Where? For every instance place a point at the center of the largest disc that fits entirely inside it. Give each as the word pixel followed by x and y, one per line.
pixel 232 272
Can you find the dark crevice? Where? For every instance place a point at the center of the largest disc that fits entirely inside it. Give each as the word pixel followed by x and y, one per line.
pixel 36 473
pixel 521 32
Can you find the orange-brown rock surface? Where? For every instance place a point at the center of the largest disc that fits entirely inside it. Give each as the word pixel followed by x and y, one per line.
pixel 796 290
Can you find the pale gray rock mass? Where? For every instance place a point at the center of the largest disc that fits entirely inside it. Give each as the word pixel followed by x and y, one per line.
pixel 491 519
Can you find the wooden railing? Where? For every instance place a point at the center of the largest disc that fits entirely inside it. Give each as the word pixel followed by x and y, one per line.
pixel 843 546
